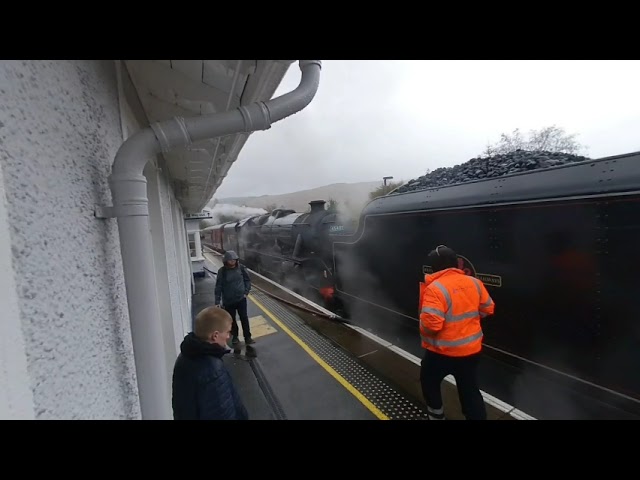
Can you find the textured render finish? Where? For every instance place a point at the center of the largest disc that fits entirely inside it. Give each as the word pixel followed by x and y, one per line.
pixel 16 400
pixel 59 133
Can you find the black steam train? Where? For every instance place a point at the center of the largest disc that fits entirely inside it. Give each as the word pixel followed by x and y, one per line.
pixel 555 247
pixel 292 248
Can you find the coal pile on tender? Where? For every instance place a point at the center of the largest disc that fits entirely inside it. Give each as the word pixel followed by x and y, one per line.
pixel 490 167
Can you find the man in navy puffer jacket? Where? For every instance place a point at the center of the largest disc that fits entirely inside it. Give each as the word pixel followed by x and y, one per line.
pixel 202 386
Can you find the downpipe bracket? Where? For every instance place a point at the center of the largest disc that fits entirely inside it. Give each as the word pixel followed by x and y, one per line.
pixel 171 133
pixel 104 212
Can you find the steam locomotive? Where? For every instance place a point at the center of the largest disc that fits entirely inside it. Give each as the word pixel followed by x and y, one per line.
pixel 555 247
pixel 291 247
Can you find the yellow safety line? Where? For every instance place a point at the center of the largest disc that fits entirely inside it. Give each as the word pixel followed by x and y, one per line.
pixel 354 391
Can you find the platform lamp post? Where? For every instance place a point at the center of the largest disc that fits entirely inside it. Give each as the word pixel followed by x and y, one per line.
pixel 384 180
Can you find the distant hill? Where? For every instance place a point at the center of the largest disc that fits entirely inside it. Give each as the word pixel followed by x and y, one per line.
pixel 351 197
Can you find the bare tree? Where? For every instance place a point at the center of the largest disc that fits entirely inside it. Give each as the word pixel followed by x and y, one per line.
pixel 552 139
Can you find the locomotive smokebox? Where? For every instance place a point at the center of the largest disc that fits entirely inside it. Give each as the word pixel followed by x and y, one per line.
pixel 317 205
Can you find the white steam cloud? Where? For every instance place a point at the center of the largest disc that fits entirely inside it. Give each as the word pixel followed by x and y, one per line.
pixel 224 212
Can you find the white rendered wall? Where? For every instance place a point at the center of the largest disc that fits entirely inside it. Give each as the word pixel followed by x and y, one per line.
pixel 60 129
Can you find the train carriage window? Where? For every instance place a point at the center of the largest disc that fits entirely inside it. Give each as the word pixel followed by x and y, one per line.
pixel 192 245
pixel 195 246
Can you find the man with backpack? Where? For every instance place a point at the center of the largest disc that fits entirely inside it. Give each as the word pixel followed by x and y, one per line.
pixel 232 287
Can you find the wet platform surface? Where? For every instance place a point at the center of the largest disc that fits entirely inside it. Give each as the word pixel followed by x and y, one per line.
pixel 276 378
pixel 305 366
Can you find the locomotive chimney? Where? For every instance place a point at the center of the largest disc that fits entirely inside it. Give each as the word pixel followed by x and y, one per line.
pixel 317 205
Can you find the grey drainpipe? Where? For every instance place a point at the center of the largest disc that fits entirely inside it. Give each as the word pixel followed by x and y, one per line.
pixel 130 206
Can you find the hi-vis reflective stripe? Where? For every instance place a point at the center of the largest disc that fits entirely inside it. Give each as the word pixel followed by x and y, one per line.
pixel 445 292
pixel 448 317
pixel 433 311
pixel 489 301
pixel 452 343
pixel 451 318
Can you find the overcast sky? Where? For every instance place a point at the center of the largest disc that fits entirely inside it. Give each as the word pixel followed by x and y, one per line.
pixel 371 119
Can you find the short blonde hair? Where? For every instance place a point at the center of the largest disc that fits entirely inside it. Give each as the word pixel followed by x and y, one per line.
pixel 211 319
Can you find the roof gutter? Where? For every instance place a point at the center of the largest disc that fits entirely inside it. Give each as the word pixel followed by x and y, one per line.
pixel 130 206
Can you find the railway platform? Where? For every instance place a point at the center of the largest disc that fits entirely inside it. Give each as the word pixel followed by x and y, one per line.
pixel 306 366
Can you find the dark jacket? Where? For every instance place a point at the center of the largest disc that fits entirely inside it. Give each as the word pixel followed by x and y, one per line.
pixel 202 387
pixel 232 284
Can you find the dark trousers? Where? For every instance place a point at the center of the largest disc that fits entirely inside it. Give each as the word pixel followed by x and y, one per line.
pixel 464 369
pixel 241 308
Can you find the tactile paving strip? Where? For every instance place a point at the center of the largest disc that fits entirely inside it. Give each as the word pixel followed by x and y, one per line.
pixel 388 400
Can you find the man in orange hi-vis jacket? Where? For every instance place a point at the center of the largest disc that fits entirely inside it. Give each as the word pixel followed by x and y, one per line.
pixel 452 305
